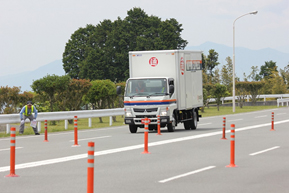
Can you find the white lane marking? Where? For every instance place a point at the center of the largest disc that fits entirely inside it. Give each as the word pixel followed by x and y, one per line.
pixel 204 124
pixel 128 148
pixel 260 116
pixel 263 151
pixel 186 174
pixel 235 120
pixel 281 113
pixel 8 149
pixel 90 138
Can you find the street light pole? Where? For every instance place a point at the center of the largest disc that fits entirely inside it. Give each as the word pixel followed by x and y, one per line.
pixel 254 13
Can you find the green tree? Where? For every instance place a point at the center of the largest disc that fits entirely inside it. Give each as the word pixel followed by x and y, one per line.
pixel 71 98
pixel 9 99
pixel 212 61
pixel 241 92
pixel 216 77
pixel 249 88
pixel 101 94
pixel 209 87
pixel 50 86
pixel 254 75
pixel 253 88
pixel 205 99
pixel 227 74
pixel 75 50
pixel 274 84
pixel 267 69
pixel 26 96
pixel 102 51
pixel 219 91
pixel 285 75
pixel 277 82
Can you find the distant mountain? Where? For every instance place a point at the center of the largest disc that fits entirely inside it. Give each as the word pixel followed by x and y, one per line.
pixel 244 57
pixel 25 79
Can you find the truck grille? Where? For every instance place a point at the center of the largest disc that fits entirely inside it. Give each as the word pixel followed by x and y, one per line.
pixel 145 110
pixel 144 116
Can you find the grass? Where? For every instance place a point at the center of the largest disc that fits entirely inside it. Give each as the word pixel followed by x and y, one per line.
pixel 225 110
pixel 95 123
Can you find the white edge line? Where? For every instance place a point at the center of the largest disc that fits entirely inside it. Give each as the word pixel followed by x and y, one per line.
pixel 9 148
pixel 186 174
pixel 261 116
pixel 259 152
pixel 90 138
pixel 204 124
pixel 235 120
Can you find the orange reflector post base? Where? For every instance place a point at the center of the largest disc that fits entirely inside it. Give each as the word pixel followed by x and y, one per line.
pixel 232 164
pixel 146 136
pixel 12 153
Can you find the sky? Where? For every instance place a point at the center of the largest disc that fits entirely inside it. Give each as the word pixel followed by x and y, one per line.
pixel 34 33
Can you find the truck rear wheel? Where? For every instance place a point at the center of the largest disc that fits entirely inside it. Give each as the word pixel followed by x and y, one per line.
pixel 133 128
pixel 187 125
pixel 194 122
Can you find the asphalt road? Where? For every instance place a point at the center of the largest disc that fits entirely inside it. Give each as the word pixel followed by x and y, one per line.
pixel 182 161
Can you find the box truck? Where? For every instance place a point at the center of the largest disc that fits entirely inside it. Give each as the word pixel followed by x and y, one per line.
pixel 167 83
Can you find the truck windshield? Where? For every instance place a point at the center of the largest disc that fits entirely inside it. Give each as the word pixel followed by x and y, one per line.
pixel 146 87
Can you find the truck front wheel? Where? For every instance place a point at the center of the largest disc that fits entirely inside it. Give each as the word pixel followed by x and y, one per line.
pixel 171 126
pixel 133 128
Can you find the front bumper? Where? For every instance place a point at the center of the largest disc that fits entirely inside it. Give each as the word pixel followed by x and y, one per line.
pixel 153 121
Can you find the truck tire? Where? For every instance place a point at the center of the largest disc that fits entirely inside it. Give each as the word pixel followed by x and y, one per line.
pixel 194 122
pixel 133 128
pixel 187 125
pixel 171 126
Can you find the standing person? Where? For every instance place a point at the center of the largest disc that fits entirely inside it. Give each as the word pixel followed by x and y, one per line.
pixel 26 112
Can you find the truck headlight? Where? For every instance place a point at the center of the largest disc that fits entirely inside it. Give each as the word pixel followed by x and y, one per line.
pixel 128 112
pixel 164 111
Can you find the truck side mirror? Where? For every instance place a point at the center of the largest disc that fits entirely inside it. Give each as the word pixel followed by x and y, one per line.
pixel 118 90
pixel 171 89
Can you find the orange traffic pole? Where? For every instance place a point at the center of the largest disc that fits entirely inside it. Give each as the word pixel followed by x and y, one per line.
pixel 75 132
pixel 90 167
pixel 272 126
pixel 224 128
pixel 45 133
pixel 12 153
pixel 232 164
pixel 159 125
pixel 146 135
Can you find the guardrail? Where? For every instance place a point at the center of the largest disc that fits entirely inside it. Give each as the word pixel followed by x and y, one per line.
pixel 63 115
pixel 282 101
pixel 264 96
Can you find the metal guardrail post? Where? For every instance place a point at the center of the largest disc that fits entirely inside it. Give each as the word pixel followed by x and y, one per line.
pixel 65 124
pixel 7 128
pixel 89 122
pixel 110 120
